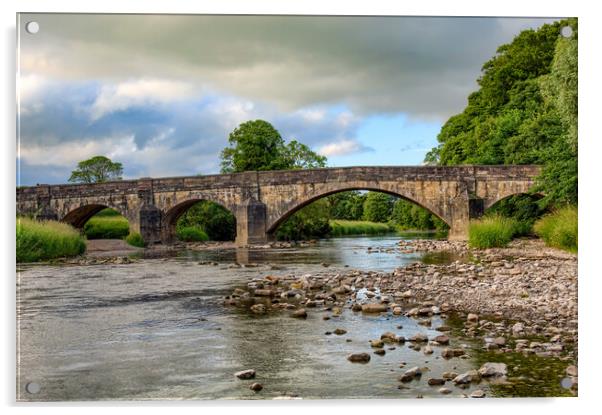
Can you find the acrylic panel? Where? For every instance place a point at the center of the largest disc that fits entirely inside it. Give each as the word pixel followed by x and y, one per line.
pixel 282 207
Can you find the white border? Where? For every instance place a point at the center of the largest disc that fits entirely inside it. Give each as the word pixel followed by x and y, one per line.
pixel 589 180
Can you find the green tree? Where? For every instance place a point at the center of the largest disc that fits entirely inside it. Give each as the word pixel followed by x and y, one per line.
pixel 98 169
pixel 347 205
pixel 297 155
pixel 254 146
pixel 377 207
pixel 257 145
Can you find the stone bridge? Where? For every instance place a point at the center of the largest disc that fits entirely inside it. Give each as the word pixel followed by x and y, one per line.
pixel 261 201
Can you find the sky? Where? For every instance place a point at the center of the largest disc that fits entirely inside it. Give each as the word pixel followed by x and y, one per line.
pixel 161 93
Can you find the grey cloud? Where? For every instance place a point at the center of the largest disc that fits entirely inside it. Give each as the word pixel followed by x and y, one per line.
pixel 421 66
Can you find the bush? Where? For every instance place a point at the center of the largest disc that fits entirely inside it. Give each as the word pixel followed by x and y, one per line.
pixel 106 227
pixel 191 234
pixel 559 229
pixel 494 231
pixel 352 227
pixel 44 240
pixel 135 239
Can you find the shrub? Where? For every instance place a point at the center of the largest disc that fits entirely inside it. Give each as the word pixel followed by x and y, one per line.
pixel 191 234
pixel 493 231
pixel 44 240
pixel 107 227
pixel 559 229
pixel 135 239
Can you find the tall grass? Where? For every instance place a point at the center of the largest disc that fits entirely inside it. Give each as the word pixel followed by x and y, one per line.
pixel 106 227
pixel 191 234
pixel 353 227
pixel 494 231
pixel 559 229
pixel 44 240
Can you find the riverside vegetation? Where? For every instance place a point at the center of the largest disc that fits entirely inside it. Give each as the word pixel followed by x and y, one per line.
pixel 44 240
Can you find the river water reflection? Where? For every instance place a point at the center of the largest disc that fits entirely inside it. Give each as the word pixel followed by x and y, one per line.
pixel 157 329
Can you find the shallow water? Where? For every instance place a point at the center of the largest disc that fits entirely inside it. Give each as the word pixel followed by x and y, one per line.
pixel 157 329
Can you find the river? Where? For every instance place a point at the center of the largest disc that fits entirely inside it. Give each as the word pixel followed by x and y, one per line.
pixel 158 329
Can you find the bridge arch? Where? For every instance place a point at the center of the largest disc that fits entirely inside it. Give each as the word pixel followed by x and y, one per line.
pixel 294 206
pixel 171 216
pixel 77 217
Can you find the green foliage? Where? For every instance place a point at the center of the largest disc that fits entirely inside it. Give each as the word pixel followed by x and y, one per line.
pixel 297 155
pixel 525 112
pixel 407 215
pixel 493 231
pixel 98 169
pixel 347 205
pixel 523 207
pixel 312 221
pixel 257 146
pixel 215 220
pixel 559 229
pixel 135 239
pixel 354 227
pixel 191 234
pixel 44 240
pixel 378 207
pixel 107 224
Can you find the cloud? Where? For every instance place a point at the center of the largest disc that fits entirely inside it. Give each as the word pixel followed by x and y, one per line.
pixel 182 135
pixel 139 92
pixel 342 148
pixel 422 66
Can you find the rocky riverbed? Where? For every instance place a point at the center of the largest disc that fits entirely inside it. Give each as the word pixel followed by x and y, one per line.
pixel 520 299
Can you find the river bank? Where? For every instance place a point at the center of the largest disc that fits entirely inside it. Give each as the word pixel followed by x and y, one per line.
pixel 520 299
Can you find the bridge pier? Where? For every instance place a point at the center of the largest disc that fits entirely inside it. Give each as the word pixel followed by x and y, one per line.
pixel 149 224
pixel 251 223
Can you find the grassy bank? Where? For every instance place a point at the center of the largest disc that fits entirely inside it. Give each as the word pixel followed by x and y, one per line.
pixel 495 231
pixel 107 227
pixel 559 229
pixel 44 240
pixel 352 227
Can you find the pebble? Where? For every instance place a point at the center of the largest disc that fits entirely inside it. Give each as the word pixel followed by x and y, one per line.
pixel 256 387
pixel 300 313
pixel 477 394
pixel 245 374
pixel 359 357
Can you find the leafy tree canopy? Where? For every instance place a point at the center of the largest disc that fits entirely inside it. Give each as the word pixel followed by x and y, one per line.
pixel 98 169
pixel 258 146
